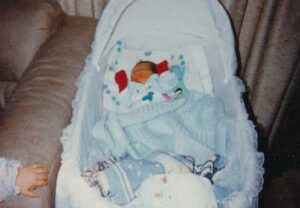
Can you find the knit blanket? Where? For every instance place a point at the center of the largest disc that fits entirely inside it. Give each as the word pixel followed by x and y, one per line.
pixel 167 127
pixel 186 126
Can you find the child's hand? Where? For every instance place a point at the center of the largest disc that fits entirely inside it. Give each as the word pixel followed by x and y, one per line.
pixel 30 177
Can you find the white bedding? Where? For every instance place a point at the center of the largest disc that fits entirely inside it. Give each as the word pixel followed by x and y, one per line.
pixel 182 190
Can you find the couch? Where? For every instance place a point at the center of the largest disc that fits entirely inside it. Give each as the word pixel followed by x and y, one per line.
pixel 42 52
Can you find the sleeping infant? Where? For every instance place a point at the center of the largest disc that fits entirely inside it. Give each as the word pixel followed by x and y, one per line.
pixel 149 82
pixel 142 71
pixel 146 85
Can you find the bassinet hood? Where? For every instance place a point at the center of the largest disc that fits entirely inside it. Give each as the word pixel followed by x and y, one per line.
pixel 169 20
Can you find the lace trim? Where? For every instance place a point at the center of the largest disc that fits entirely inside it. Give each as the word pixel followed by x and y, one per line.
pixel 245 198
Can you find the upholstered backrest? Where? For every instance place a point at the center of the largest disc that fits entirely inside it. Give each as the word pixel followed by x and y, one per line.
pixel 25 26
pixel 40 107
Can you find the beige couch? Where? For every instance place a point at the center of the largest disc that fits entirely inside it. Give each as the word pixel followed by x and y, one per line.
pixel 42 52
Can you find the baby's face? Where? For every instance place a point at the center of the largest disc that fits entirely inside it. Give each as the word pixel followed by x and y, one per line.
pixel 141 73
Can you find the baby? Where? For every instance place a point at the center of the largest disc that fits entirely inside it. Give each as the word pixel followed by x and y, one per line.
pixel 142 71
pixel 169 79
pixel 144 85
pixel 15 179
pixel 147 83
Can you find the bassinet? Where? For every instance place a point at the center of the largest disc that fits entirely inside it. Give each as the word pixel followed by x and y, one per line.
pixel 180 23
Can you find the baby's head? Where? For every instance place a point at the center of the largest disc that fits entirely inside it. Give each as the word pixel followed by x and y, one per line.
pixel 142 71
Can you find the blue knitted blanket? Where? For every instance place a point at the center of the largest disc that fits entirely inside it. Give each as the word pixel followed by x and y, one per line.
pixel 190 126
pixel 186 126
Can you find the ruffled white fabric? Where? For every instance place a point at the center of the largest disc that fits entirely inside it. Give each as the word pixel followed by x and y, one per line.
pixel 208 26
pixel 175 190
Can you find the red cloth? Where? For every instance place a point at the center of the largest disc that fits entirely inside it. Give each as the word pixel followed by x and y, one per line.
pixel 162 67
pixel 121 79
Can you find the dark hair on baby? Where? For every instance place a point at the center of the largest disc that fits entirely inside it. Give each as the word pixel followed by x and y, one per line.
pixel 152 65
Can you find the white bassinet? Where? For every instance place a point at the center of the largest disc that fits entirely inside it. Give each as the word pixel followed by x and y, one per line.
pixel 160 25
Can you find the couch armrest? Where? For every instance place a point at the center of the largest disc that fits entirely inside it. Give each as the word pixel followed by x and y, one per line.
pixel 40 107
pixel 25 26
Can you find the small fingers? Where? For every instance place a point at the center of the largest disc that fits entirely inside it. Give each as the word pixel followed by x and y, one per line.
pixel 38 165
pixel 39 168
pixel 30 193
pixel 42 177
pixel 41 183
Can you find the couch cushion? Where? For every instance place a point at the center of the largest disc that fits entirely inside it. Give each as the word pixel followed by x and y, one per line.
pixel 40 107
pixel 25 26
